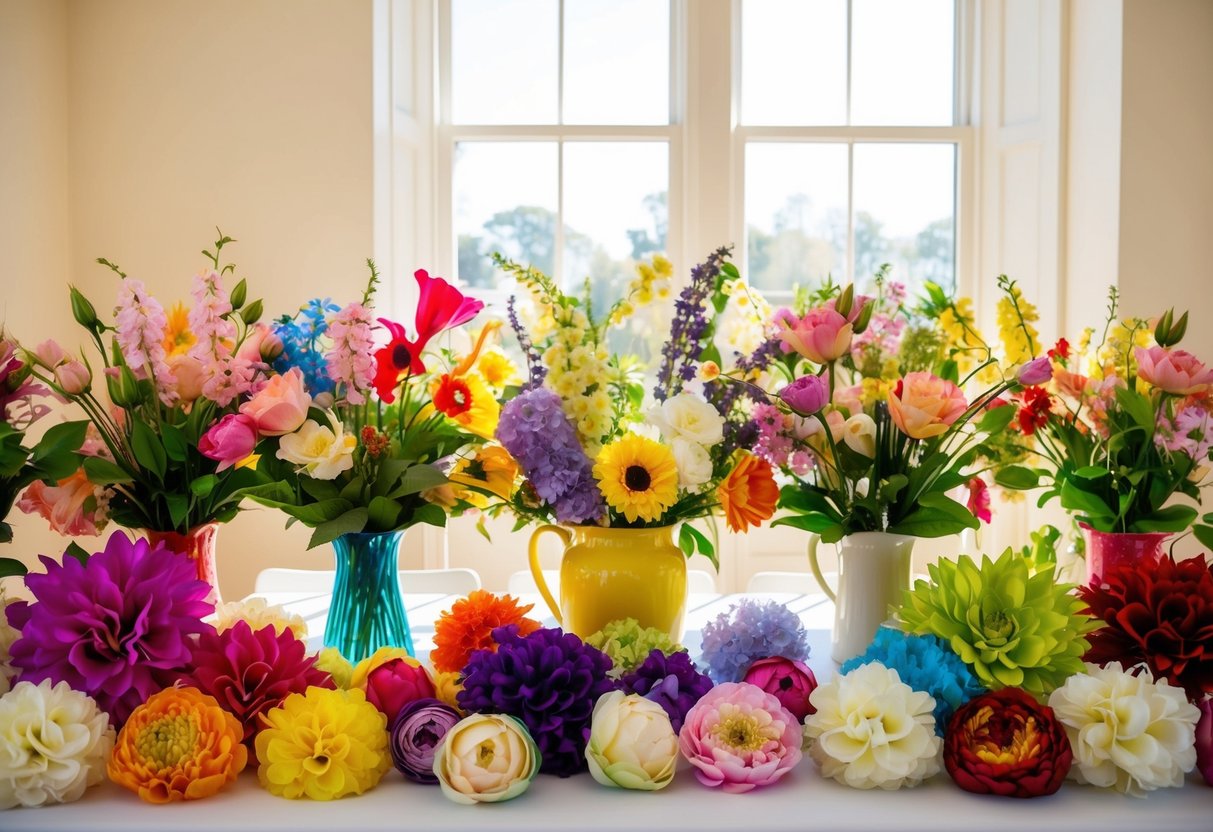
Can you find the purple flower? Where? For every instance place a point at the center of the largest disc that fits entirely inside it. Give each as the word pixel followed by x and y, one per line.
pixel 806 395
pixel 534 364
pixel 117 627
pixel 671 681
pixel 415 734
pixel 749 631
pixel 690 323
pixel 549 681
pixel 1036 371
pixel 534 429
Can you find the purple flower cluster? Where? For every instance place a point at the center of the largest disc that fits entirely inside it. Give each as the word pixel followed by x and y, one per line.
pixel 743 434
pixel 534 364
pixel 548 680
pixel 536 432
pixel 682 350
pixel 672 681
pixel 750 631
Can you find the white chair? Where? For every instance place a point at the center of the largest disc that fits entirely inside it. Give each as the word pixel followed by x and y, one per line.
pixel 700 582
pixel 412 581
pixel 319 581
pixel 523 583
pixel 800 583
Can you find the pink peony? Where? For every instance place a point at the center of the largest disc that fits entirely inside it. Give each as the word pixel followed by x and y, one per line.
pixel 821 336
pixel 395 684
pixel 789 681
pixel 1172 371
pixel 71 507
pixel 229 440
pixel 923 405
pixel 281 405
pixel 739 737
pixel 806 395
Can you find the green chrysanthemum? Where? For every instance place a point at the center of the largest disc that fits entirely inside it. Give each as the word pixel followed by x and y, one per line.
pixel 628 644
pixel 1013 628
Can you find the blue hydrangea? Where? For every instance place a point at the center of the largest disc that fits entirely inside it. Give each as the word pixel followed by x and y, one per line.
pixel 749 631
pixel 924 663
pixel 301 345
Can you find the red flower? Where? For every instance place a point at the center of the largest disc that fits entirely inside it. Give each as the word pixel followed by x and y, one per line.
pixel 1158 614
pixel 452 396
pixel 1006 743
pixel 1034 412
pixel 979 499
pixel 1060 351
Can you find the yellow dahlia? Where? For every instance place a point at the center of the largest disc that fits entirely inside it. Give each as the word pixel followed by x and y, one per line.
pixel 638 477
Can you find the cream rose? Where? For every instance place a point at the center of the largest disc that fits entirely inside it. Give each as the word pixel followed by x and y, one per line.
pixel 688 416
pixel 632 744
pixel 693 462
pixel 323 452
pixel 486 758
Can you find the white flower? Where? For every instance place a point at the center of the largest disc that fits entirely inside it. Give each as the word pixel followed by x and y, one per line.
pixel 8 634
pixel 871 730
pixel 860 435
pixel 690 417
pixel 323 452
pixel 694 463
pixel 53 744
pixel 632 744
pixel 486 758
pixel 259 615
pixel 1128 732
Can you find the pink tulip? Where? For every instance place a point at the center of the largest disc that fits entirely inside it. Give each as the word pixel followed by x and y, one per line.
pixel 74 377
pixel 1036 371
pixel 279 407
pixel 69 507
pixel 821 336
pixel 1172 371
pixel 1204 740
pixel 395 684
pixel 923 405
pixel 788 680
pixel 229 440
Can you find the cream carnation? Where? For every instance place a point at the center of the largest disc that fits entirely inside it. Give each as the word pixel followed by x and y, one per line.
pixel 53 744
pixel 871 730
pixel 258 615
pixel 1127 732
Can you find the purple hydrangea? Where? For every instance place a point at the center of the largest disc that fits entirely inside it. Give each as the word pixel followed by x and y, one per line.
pixel 118 627
pixel 548 680
pixel 537 433
pixel 672 681
pixel 749 631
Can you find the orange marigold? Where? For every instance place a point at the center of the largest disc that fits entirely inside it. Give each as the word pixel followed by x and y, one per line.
pixel 468 626
pixel 178 745
pixel 748 494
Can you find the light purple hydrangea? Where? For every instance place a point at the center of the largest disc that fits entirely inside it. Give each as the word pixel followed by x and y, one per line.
pixel 749 631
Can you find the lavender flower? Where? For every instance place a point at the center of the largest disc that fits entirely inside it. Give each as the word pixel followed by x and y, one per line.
pixel 536 372
pixel 415 734
pixel 749 631
pixel 682 350
pixel 672 681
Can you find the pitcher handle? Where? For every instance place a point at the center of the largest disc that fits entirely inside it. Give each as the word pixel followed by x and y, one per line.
pixel 821 579
pixel 537 573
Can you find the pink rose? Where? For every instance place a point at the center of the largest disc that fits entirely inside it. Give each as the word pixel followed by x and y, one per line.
pixel 229 440
pixel 1036 371
pixel 1204 740
pixel 395 684
pixel 923 405
pixel 788 680
pixel 279 407
pixel 70 507
pixel 821 336
pixel 74 377
pixel 1172 371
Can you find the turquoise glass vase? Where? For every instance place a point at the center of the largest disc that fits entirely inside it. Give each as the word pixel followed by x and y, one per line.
pixel 367 611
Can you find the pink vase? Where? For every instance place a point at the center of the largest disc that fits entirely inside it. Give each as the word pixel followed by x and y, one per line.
pixel 1108 550
pixel 198 544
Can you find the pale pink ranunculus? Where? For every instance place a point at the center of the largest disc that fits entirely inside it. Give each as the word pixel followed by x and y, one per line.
pixel 821 336
pixel 279 407
pixel 70 507
pixel 189 374
pixel 1173 371
pixel 924 405
pixel 73 376
pixel 229 440
pixel 739 737
pixel 788 680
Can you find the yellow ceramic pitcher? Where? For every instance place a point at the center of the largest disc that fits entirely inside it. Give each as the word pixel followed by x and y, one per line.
pixel 607 574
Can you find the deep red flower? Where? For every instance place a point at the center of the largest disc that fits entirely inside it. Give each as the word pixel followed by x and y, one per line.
pixel 979 499
pixel 1035 409
pixel 452 396
pixel 1159 614
pixel 1060 351
pixel 1006 743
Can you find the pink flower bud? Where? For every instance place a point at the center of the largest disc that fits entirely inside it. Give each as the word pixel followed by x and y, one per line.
pixel 806 395
pixel 50 353
pixel 1036 371
pixel 395 684
pixel 789 681
pixel 74 377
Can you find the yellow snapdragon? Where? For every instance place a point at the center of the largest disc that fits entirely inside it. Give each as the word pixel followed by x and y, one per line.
pixel 1019 346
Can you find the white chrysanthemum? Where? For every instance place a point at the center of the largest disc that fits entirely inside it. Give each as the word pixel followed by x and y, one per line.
pixel 1128 732
pixel 259 615
pixel 871 730
pixel 53 744
pixel 8 634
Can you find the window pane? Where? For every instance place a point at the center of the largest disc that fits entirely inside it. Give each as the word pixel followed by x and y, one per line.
pixel 902 55
pixel 504 61
pixel 504 199
pixel 795 214
pixel 614 212
pixel 616 62
pixel 905 212
pixel 794 62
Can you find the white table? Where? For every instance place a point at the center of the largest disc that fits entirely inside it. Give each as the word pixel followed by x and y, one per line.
pixel 801 800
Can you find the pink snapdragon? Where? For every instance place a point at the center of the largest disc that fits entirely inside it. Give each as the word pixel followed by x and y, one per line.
pixel 351 361
pixel 229 378
pixel 215 334
pixel 141 323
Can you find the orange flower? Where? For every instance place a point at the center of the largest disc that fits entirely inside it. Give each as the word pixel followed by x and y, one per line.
pixel 178 745
pixel 468 626
pixel 748 494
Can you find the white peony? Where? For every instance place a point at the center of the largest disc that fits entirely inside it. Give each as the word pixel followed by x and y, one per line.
pixel 323 452
pixel 632 744
pixel 259 615
pixel 53 744
pixel 693 462
pixel 8 634
pixel 871 730
pixel 1128 732
pixel 690 417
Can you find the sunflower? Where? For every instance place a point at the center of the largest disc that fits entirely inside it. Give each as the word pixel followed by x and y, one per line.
pixel 748 494
pixel 638 477
pixel 177 336
pixel 467 401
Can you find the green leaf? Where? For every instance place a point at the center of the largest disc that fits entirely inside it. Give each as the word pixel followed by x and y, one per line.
pixel 812 522
pixel 430 515
pixel 11 567
pixel 204 485
pixel 949 370
pixel 417 479
pixel 68 436
pixel 1169 519
pixel 1204 534
pixel 178 508
pixel 703 545
pixel 892 487
pixel 686 540
pixel 1137 406
pixel 384 514
pixel 996 419
pixel 350 522
pixel 1091 505
pixel 75 550
pixel 103 472
pixel 932 522
pixel 149 452
pixel 728 268
pixel 175 445
pixel 1017 477
pixel 319 489
pixel 1092 472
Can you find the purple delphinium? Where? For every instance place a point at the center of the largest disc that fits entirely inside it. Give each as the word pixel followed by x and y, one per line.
pixel 117 627
pixel 549 680
pixel 537 433
pixel 536 372
pixel 690 324
pixel 672 681
pixel 749 631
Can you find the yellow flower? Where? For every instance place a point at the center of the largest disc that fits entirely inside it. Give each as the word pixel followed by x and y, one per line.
pixel 336 665
pixel 323 452
pixel 177 336
pixel 381 656
pixel 498 371
pixel 1017 345
pixel 491 468
pixel 447 686
pixel 323 744
pixel 638 477
pixel 663 266
pixel 468 402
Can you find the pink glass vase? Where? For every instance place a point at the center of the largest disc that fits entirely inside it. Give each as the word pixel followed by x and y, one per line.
pixel 1108 550
pixel 198 544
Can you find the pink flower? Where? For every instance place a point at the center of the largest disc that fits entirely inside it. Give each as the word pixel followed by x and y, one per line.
pixel 227 379
pixel 1191 433
pixel 979 499
pixel 1172 371
pixel 1072 384
pixel 229 440
pixel 50 354
pixel 1036 371
pixel 1204 740
pixel 821 336
pixel 281 405
pixel 74 377
pixel 213 331
pixel 395 684
pixel 923 405
pixel 190 376
pixel 788 680
pixel 140 325
pixel 71 508
pixel 250 347
pixel 351 361
pixel 739 737
pixel 806 395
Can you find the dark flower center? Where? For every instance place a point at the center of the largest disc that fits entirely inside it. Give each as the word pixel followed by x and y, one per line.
pixel 401 357
pixel 785 683
pixel 637 478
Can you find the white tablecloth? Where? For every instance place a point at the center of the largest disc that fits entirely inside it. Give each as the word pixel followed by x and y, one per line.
pixel 801 801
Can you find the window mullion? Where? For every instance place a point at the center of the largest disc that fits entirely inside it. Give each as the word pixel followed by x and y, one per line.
pixel 851 265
